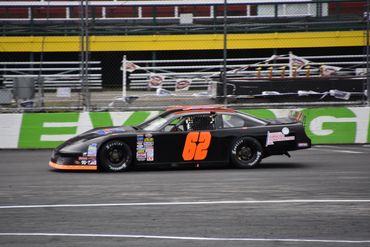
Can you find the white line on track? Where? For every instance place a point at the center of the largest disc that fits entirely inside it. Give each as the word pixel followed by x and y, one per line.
pixel 182 203
pixel 336 150
pixel 356 147
pixel 185 238
pixel 359 148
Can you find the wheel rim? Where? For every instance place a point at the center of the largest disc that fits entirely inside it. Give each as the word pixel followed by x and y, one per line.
pixel 245 153
pixel 116 156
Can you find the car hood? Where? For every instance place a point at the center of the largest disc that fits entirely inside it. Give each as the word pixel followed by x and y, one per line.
pixel 110 130
pixel 85 138
pixel 103 131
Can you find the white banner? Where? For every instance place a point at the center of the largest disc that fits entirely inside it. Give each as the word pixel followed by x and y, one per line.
pixel 328 70
pixel 298 62
pixel 155 80
pixel 182 84
pixel 130 67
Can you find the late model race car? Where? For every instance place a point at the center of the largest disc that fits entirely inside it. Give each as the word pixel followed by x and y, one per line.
pixel 183 135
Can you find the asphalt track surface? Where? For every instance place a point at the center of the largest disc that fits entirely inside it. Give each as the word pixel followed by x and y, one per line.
pixel 319 197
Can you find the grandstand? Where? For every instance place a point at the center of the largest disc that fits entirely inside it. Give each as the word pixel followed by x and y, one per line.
pixel 41 31
pixel 166 17
pixel 141 10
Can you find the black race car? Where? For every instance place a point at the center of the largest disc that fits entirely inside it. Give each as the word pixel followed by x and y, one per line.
pixel 189 135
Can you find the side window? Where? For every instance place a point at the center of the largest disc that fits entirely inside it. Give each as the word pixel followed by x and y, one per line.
pixel 200 122
pixel 176 125
pixel 232 121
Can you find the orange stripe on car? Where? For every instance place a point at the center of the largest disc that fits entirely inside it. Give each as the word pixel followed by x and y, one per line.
pixel 72 167
pixel 199 107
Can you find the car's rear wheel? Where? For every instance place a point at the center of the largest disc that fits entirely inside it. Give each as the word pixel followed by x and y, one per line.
pixel 115 156
pixel 246 152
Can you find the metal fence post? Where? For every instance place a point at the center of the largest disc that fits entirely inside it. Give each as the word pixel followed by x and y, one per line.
pixel 84 20
pixel 124 72
pixel 367 52
pixel 224 70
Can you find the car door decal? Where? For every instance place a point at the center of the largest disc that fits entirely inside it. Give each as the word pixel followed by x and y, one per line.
pixel 196 146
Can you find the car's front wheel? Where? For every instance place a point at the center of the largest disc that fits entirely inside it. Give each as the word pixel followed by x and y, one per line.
pixel 115 156
pixel 246 152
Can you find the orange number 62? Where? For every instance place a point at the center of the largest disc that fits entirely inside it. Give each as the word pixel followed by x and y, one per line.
pixel 196 146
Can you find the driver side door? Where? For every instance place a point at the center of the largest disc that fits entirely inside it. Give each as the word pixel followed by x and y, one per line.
pixel 186 139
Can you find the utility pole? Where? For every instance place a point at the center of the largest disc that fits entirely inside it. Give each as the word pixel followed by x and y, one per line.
pixel 367 51
pixel 84 36
pixel 224 69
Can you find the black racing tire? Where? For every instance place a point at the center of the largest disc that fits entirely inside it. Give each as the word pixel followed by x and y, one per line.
pixel 246 152
pixel 115 156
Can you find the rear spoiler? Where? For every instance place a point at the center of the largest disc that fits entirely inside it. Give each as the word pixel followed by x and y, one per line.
pixel 296 115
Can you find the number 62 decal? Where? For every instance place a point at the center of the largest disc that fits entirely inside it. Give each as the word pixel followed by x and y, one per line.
pixel 196 146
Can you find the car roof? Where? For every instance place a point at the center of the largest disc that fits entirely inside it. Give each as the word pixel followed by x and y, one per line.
pixel 201 108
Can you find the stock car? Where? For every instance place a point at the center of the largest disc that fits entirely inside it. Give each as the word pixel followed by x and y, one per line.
pixel 183 135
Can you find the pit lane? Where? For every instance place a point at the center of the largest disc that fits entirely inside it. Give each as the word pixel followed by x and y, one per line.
pixel 319 197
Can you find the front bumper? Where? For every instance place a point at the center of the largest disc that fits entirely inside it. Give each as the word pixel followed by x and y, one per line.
pixel 72 162
pixel 72 167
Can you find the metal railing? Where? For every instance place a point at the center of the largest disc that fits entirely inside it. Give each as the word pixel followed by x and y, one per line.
pixel 202 72
pixel 343 73
pixel 55 74
pixel 36 85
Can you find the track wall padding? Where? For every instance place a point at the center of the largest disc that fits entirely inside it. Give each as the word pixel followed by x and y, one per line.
pixel 339 125
pixel 184 42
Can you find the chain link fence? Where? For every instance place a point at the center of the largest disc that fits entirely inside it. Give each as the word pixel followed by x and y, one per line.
pixel 247 53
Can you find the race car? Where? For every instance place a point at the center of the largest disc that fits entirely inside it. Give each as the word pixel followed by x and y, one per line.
pixel 183 135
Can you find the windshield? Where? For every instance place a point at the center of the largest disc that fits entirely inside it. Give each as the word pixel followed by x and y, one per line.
pixel 155 123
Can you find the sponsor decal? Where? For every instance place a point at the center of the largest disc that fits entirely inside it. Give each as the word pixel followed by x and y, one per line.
pixel 140 150
pixel 92 149
pixel 302 144
pixel 110 131
pixel 90 162
pixel 140 138
pixel 89 158
pixel 148 142
pixel 144 147
pixel 141 156
pixel 149 147
pixel 102 132
pixel 86 160
pixel 150 154
pixel 285 131
pixel 273 137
